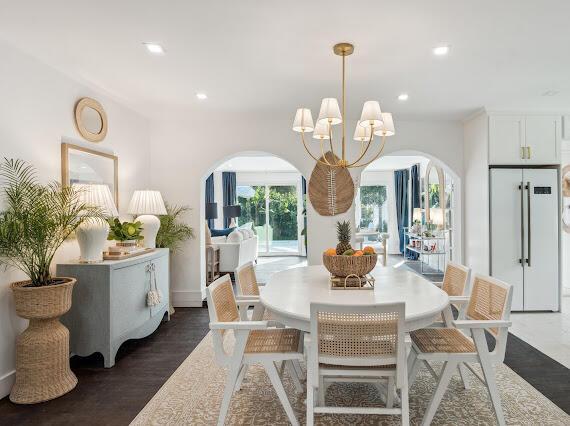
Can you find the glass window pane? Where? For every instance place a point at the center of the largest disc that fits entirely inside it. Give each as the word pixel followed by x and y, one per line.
pixel 282 229
pixel 252 202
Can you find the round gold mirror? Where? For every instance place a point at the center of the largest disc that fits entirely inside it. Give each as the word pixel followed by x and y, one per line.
pixel 91 120
pixel 566 198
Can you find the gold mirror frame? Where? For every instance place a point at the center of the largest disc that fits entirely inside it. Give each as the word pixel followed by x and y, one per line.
pixel 441 178
pixel 90 103
pixel 565 194
pixel 65 175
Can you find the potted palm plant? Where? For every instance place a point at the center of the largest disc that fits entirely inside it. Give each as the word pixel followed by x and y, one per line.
pixel 173 232
pixel 36 221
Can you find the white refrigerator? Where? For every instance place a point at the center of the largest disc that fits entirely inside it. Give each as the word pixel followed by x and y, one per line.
pixel 525 235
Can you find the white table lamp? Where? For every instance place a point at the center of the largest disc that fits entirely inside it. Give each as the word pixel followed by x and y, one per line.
pixel 147 204
pixel 92 234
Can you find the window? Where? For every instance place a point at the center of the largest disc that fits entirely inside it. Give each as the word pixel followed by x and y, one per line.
pixel 373 208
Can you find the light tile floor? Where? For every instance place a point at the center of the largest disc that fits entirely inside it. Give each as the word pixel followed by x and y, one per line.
pixel 547 332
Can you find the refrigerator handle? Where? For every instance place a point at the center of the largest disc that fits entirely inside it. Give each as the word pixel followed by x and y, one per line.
pixel 528 188
pixel 521 189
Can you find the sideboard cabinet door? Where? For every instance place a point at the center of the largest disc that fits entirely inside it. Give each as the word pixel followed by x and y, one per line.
pixel 161 272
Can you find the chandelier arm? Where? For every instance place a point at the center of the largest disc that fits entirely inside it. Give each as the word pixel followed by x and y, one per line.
pixel 323 153
pixel 365 151
pixel 361 146
pixel 377 155
pixel 331 141
pixel 312 156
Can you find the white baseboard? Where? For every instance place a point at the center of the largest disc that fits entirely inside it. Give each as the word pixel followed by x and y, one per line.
pixel 187 299
pixel 6 383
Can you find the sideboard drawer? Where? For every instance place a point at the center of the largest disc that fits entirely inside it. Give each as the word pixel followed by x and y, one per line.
pixel 130 287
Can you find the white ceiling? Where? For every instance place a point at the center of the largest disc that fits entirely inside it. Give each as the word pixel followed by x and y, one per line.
pixel 269 57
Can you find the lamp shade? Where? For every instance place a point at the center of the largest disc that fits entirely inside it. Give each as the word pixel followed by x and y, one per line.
pixel 362 134
pixel 303 121
pixel 387 126
pixel 97 195
pixel 232 211
pixel 417 215
pixel 330 112
pixel 147 202
pixel 211 210
pixel 371 114
pixel 322 130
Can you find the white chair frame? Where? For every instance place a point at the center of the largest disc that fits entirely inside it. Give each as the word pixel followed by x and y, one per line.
pixel 238 360
pixel 317 376
pixel 487 359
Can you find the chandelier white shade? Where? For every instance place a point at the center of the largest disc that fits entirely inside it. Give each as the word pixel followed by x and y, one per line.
pixel 387 126
pixel 147 202
pixel 303 120
pixel 371 114
pixel 322 130
pixel 97 195
pixel 330 112
pixel 372 122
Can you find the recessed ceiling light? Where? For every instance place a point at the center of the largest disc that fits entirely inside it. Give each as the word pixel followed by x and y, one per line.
pixel 201 96
pixel 441 50
pixel 154 48
pixel 550 93
pixel 403 97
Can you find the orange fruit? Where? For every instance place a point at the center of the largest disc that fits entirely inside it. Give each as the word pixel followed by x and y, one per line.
pixel 358 253
pixel 330 252
pixel 368 250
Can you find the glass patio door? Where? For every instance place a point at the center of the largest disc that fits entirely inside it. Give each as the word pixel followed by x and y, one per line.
pixel 283 234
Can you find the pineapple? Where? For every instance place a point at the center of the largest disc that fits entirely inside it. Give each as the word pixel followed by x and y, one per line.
pixel 343 235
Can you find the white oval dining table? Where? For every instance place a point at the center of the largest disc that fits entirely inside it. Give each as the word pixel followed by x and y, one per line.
pixel 288 295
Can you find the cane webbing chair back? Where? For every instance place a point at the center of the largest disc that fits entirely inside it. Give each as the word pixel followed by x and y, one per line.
pixel 222 302
pixel 455 279
pixel 489 300
pixel 246 281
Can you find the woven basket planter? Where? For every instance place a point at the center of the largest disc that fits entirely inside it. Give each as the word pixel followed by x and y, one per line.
pixel 42 350
pixel 343 266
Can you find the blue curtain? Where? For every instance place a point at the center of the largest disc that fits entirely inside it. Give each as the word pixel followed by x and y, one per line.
pixel 210 196
pixel 415 178
pixel 401 184
pixel 230 199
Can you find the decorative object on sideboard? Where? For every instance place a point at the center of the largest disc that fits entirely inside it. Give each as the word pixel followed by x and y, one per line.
pixel 331 190
pixel 173 232
pixel 91 119
pixel 92 234
pixel 211 213
pixel 372 122
pixel 147 205
pixel 36 221
pixel 232 212
pixel 154 295
pixel 126 234
pixel 88 166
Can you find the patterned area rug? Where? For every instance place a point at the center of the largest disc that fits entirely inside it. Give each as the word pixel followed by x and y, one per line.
pixel 193 394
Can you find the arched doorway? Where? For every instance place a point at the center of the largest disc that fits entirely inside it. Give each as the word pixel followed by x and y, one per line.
pixel 261 197
pixel 404 193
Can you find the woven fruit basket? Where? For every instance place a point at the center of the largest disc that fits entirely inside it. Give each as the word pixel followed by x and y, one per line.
pixel 343 266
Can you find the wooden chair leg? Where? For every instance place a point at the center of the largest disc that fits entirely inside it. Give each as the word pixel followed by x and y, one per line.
pixel 413 366
pixel 310 403
pixel 463 374
pixel 298 369
pixel 390 393
pixel 431 370
pixel 241 376
pixel 231 380
pixel 447 371
pixel 321 391
pixel 404 401
pixel 278 386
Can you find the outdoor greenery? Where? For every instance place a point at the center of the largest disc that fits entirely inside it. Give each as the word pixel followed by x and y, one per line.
pixel 124 231
pixel 172 232
pixel 37 220
pixel 373 197
pixel 282 210
pixel 433 195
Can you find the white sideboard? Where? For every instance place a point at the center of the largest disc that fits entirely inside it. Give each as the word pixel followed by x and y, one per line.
pixel 109 302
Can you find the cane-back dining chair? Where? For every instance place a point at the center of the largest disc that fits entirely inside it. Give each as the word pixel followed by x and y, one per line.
pixel 488 310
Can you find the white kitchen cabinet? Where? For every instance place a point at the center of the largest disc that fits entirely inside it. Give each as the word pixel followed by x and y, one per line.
pixel 524 140
pixel 506 139
pixel 542 136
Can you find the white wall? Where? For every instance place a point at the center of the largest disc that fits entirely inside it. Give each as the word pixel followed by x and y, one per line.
pixel 36 114
pixel 184 151
pixel 565 235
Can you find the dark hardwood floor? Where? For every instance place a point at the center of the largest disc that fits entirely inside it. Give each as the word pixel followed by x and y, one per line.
pixel 114 396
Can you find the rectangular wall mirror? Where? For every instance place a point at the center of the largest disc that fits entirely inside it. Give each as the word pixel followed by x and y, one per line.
pixel 88 166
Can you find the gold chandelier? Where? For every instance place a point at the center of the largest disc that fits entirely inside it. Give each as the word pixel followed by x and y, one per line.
pixel 372 122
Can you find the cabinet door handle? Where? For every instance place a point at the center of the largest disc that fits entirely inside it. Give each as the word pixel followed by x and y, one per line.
pixel 528 152
pixel 528 188
pixel 523 153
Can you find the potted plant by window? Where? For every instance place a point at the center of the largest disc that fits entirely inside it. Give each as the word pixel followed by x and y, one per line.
pixel 36 221
pixel 173 232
